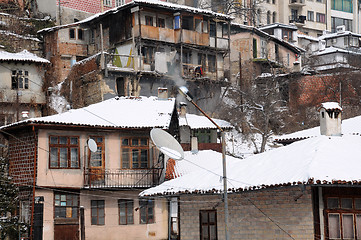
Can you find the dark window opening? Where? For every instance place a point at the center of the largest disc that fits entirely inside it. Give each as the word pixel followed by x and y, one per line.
pixel 80 34
pixel 187 22
pixel 161 22
pixel 211 63
pixel 149 20
pixel 120 84
pixel 212 29
pixel 254 48
pixel 72 33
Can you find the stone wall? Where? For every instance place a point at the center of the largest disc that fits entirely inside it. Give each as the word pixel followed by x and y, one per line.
pixel 290 208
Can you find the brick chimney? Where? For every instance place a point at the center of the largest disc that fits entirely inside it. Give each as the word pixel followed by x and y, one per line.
pixel 330 119
pixel 183 109
pixel 162 93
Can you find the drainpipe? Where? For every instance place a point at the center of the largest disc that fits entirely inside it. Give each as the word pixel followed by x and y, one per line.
pixel 169 219
pixel 34 182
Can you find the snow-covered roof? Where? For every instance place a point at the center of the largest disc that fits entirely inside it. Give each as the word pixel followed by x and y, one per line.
pixel 321 160
pixel 339 34
pixel 351 126
pixel 278 25
pixel 161 4
pixel 330 50
pixel 122 112
pixel 331 105
pixel 201 122
pixel 23 56
pixel 27 37
pixel 308 37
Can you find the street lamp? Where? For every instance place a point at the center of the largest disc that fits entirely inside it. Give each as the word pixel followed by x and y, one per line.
pixel 185 92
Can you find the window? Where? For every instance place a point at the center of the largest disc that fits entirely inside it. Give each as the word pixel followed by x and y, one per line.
pixel 97 212
pixel 187 57
pixel 211 63
pixel 125 211
pixel 149 20
pixel 148 54
pixel 19 79
pixel 268 17
pixel 254 48
pixel 320 17
pixel 274 17
pixel 161 22
pixel 72 33
pixel 80 34
pixel 187 22
pixel 343 217
pixel 342 5
pixel 107 3
pixel 335 22
pixel 273 1
pixel 212 29
pixel 263 49
pixel 225 30
pixel 208 222
pixel 203 135
pixel 135 153
pixel 146 211
pixel 320 1
pixel 64 152
pixel 310 16
pixel 119 3
pixel 66 206
pixel 96 159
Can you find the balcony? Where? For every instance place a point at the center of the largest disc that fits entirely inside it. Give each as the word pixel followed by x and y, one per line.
pixel 297 20
pixel 122 178
pixel 297 3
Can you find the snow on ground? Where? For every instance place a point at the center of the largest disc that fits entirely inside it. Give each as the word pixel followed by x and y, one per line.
pixel 57 101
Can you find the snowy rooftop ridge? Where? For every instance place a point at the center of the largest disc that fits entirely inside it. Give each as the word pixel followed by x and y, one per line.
pixel 122 112
pixel 201 122
pixel 312 161
pixel 331 105
pixel 23 56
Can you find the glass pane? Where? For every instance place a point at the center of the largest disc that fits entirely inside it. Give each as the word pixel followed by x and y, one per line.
pixel 53 140
pixel 21 83
pixel 144 158
pixel 358 203
pixel 334 226
pixel 26 83
pixel 75 212
pixel 57 203
pixel 135 142
pixel 130 212
pixel 212 232
pixel 122 213
pixel 94 220
pixel 143 142
pixel 205 232
pixel 74 157
pixel 125 142
pixel 358 226
pixel 63 140
pixel 63 197
pixel 53 157
pixel 99 140
pixel 125 158
pixel 143 215
pixel 347 222
pixel 346 203
pixel 204 217
pixel 63 157
pixel 212 217
pixel 135 158
pixel 57 196
pixel 74 141
pixel 101 221
pixel 332 203
pixel 26 73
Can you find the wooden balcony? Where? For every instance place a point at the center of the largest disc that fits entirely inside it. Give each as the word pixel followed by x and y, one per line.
pixel 122 178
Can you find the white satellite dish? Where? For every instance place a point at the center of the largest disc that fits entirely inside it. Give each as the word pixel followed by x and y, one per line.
pixel 167 144
pixel 92 145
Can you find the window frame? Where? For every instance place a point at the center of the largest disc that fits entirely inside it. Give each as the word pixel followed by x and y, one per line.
pixel 67 146
pixel 75 203
pixel 129 204
pixel 131 148
pixel 148 20
pixel 107 3
pixel 145 207
pixel 72 33
pixel 320 17
pixel 342 211
pixel 311 16
pixel 16 76
pixel 97 205
pixel 207 224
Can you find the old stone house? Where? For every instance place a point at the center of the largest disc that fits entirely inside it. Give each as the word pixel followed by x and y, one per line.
pixel 80 172
pixel 306 190
pixel 157 45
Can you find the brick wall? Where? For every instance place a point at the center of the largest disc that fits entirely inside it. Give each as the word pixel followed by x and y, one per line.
pixel 22 147
pixel 289 207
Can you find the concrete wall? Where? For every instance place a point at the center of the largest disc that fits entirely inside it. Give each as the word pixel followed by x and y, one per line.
pixel 289 207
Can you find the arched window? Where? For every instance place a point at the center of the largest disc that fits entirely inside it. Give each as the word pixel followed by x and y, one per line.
pixel 268 17
pixel 274 17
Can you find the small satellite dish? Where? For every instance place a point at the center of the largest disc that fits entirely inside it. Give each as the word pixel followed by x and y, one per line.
pixel 92 145
pixel 167 144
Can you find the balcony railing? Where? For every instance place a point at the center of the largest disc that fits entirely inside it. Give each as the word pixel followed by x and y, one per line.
pixel 122 178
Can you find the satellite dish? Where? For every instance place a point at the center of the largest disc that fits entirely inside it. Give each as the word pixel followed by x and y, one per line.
pixel 92 145
pixel 167 144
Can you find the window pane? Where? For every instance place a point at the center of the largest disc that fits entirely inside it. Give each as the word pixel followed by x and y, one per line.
pixel 74 158
pixel 130 212
pixel 358 203
pixel 53 157
pixel 53 140
pixel 346 203
pixel 212 232
pixel 204 217
pixel 334 226
pixel 125 158
pixel 122 213
pixel 63 140
pixel 212 217
pixel 125 142
pixel 74 141
pixel 205 232
pixel 144 158
pixel 143 215
pixel 75 212
pixel 135 158
pixel 94 220
pixel 358 226
pixel 63 157
pixel 332 203
pixel 143 142
pixel 101 221
pixel 347 222
pixel 135 142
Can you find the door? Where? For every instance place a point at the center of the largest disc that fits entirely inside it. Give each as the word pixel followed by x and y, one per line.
pixel 66 232
pixel 97 162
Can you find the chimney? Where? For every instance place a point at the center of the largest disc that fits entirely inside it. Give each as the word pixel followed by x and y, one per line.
pixel 162 93
pixel 194 144
pixel 183 109
pixel 330 119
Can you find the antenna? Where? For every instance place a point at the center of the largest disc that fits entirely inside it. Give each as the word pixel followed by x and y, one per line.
pixel 167 144
pixel 92 145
